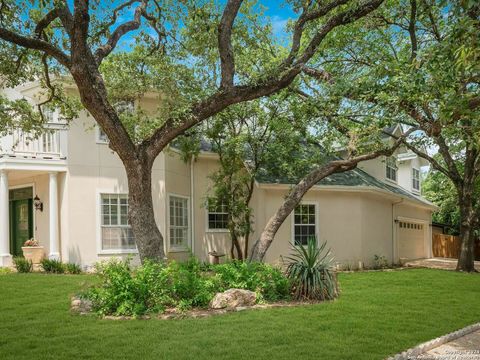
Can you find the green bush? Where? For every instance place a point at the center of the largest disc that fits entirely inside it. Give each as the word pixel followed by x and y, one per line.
pixel 380 262
pixel 311 272
pixel 23 265
pixel 153 287
pixel 73 268
pixel 52 266
pixel 266 280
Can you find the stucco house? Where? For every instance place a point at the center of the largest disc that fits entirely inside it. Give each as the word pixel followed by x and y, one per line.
pixel 69 191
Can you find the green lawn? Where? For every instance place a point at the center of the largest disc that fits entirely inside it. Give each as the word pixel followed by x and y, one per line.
pixel 378 314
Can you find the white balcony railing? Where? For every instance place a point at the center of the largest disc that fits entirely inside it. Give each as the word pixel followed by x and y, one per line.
pixel 46 145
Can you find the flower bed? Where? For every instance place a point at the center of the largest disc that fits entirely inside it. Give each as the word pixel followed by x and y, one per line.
pixel 155 287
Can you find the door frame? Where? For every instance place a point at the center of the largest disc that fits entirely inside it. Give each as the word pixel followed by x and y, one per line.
pixel 34 218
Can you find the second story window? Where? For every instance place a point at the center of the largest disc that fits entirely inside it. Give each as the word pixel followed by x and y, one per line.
pixel 416 179
pixel 391 168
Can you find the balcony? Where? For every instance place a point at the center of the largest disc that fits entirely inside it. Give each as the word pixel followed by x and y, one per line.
pixel 50 145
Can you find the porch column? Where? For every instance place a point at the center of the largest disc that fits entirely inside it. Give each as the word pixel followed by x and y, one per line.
pixel 5 257
pixel 53 216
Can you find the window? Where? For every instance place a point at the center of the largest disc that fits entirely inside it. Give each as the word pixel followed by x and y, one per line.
pixel 217 217
pixel 125 106
pixel 48 114
pixel 416 179
pixel 116 231
pixel 179 222
pixel 391 168
pixel 304 224
pixel 102 137
pixel 407 225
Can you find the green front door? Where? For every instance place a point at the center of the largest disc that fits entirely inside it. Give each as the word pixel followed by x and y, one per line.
pixel 21 219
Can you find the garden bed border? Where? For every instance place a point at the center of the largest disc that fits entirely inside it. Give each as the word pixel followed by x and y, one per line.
pixel 432 344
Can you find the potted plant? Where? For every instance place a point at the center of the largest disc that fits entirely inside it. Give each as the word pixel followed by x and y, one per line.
pixel 33 251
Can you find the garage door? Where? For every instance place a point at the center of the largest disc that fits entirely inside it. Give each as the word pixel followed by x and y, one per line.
pixel 411 240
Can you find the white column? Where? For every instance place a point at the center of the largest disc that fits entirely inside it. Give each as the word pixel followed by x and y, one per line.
pixel 53 216
pixel 5 257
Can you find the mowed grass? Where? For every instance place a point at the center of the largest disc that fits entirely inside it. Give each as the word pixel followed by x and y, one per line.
pixel 379 313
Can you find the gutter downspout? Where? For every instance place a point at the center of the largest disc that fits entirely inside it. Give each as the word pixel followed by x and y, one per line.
pixel 393 230
pixel 192 197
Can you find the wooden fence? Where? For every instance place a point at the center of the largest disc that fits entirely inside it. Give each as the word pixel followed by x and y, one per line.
pixel 448 246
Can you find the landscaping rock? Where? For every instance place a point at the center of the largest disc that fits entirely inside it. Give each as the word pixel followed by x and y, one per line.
pixel 81 306
pixel 233 298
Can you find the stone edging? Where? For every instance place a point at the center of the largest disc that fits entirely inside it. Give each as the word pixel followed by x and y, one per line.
pixel 84 307
pixel 429 345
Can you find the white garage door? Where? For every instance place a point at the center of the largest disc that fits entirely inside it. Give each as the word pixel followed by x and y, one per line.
pixel 411 240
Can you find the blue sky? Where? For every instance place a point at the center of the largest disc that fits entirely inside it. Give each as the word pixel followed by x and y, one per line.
pixel 278 13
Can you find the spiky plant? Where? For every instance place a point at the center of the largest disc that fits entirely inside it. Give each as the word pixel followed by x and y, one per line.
pixel 310 270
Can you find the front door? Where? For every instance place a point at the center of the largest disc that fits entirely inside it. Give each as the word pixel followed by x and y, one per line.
pixel 21 219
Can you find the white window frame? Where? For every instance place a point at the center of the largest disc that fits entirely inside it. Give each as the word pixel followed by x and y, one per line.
pixel 207 223
pixel 413 180
pixel 100 250
pixel 189 228
pixel 387 167
pixel 98 136
pixel 315 203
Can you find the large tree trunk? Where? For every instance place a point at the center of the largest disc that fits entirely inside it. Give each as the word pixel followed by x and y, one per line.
pixel 138 163
pixel 467 236
pixel 148 238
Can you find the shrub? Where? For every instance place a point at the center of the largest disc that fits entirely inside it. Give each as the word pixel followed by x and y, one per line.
pixel 380 262
pixel 310 270
pixel 125 291
pixel 266 280
pixel 153 286
pixel 52 266
pixel 23 265
pixel 72 268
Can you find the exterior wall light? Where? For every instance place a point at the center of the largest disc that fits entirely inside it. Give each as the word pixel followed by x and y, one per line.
pixel 37 203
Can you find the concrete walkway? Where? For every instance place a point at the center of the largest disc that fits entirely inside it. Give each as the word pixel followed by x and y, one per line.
pixel 466 347
pixel 437 263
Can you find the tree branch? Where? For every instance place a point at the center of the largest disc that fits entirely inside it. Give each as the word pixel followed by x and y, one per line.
pixel 121 30
pixel 45 22
pixel 342 18
pixel 412 29
pixel 227 61
pixel 35 44
pixel 300 25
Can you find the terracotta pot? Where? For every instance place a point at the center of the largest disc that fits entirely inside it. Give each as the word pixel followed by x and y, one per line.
pixel 33 253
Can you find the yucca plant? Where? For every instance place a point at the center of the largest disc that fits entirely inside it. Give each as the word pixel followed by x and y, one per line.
pixel 310 270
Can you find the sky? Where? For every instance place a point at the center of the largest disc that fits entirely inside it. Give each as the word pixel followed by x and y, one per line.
pixel 278 13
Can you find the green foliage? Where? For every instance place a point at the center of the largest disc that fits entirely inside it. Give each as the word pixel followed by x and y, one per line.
pixel 73 268
pixel 310 270
pixel 380 262
pixel 5 270
pixel 52 266
pixel 266 280
pixel 23 265
pixel 440 190
pixel 153 287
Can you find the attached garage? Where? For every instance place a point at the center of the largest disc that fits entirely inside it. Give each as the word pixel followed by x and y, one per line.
pixel 412 239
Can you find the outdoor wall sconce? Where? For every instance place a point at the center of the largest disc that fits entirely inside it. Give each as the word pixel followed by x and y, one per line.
pixel 37 203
